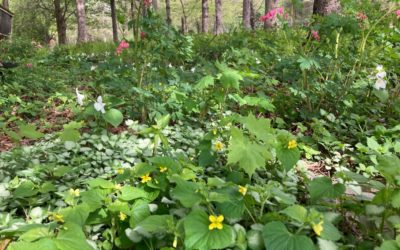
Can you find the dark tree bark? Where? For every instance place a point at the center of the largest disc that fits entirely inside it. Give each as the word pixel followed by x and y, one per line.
pixel 218 17
pixel 269 5
pixel 204 16
pixel 81 16
pixel 5 4
pixel 246 14
pixel 61 21
pixel 184 27
pixel 252 15
pixel 168 9
pixel 155 5
pixel 114 21
pixel 326 7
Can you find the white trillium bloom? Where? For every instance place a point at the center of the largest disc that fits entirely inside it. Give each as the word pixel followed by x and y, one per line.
pixel 79 97
pixel 99 105
pixel 381 74
pixel 94 67
pixel 193 69
pixel 380 84
pixel 170 65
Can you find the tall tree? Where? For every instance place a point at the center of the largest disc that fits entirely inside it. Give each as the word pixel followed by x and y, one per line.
pixel 168 10
pixel 155 5
pixel 81 16
pixel 204 16
pixel 61 21
pixel 218 17
pixel 270 5
pixel 247 14
pixel 184 28
pixel 326 7
pixel 5 4
pixel 114 20
pixel 252 15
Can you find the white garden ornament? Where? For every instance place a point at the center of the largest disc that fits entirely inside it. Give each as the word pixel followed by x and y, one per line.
pixel 79 97
pixel 99 105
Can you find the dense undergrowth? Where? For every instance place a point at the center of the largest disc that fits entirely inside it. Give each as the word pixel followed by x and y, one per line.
pixel 286 139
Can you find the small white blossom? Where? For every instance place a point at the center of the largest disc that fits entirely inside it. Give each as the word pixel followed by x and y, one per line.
pixel 380 84
pixel 153 207
pixel 379 68
pixel 381 74
pixel 94 67
pixel 170 65
pixel 257 61
pixel 99 105
pixel 79 97
pixel 193 69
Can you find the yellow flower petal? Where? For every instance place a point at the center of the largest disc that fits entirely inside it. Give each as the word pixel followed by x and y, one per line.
pixel 122 216
pixel 292 144
pixel 220 218
pixel 318 228
pixel 219 226
pixel 212 218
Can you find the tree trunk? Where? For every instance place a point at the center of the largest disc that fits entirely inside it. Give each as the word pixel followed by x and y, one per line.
pixel 184 28
pixel 270 5
pixel 218 17
pixel 204 16
pixel 246 14
pixel 114 21
pixel 168 9
pixel 155 5
pixel 252 15
pixel 5 4
pixel 60 22
pixel 326 7
pixel 81 16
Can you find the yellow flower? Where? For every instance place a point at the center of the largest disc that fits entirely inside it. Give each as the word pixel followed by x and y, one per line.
pixel 120 171
pixel 117 186
pixel 57 217
pixel 122 216
pixel 292 144
pixel 175 242
pixel 145 178
pixel 218 146
pixel 242 190
pixel 216 222
pixel 318 228
pixel 163 169
pixel 74 192
pixel 215 131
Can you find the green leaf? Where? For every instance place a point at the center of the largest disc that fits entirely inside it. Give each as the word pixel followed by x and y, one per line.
pixel 71 237
pixel 186 193
pixel 114 117
pixel 100 183
pixel 25 189
pixel 395 199
pixel 231 79
pixel 36 233
pixel 42 244
pixel 330 232
pixel 154 224
pixel 277 237
pixel 129 193
pixel 70 135
pixel 322 187
pixel 250 156
pixel 198 236
pixel 296 212
pixel 255 240
pixel 388 166
pixel 77 214
pixel 29 131
pixel 288 157
pixel 204 83
pixel 326 244
pixel 261 128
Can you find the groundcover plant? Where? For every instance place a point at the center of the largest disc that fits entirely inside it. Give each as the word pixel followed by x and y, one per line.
pixel 280 137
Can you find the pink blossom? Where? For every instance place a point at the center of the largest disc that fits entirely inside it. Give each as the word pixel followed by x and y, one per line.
pixel 315 35
pixel 122 45
pixel 142 35
pixel 398 13
pixel 272 14
pixel 146 3
pixel 29 65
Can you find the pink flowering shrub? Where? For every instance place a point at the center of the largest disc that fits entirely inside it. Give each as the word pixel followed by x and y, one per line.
pixel 272 14
pixel 122 45
pixel 398 13
pixel 315 35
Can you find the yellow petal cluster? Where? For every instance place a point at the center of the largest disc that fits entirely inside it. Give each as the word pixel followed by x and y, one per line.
pixel 215 222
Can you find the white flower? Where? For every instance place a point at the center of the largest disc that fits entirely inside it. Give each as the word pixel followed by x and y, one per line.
pixel 94 67
pixel 381 74
pixel 99 105
pixel 149 65
pixel 129 122
pixel 193 69
pixel 379 68
pixel 380 84
pixel 257 61
pixel 79 97
pixel 170 65
pixel 153 207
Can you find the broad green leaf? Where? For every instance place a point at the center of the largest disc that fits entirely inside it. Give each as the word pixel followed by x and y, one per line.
pixel 204 83
pixel 322 187
pixel 77 214
pixel 114 117
pixel 250 156
pixel 42 244
pixel 129 193
pixel 36 233
pixel 288 157
pixel 71 237
pixel 261 128
pixel 198 235
pixel 255 240
pixel 30 132
pixel 186 193
pixel 25 189
pixel 154 224
pixel 395 199
pixel 326 244
pixel 277 237
pixel 231 79
pixel 70 135
pixel 296 212
pixel 93 198
pixel 100 183
pixel 388 166
pixel 330 232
